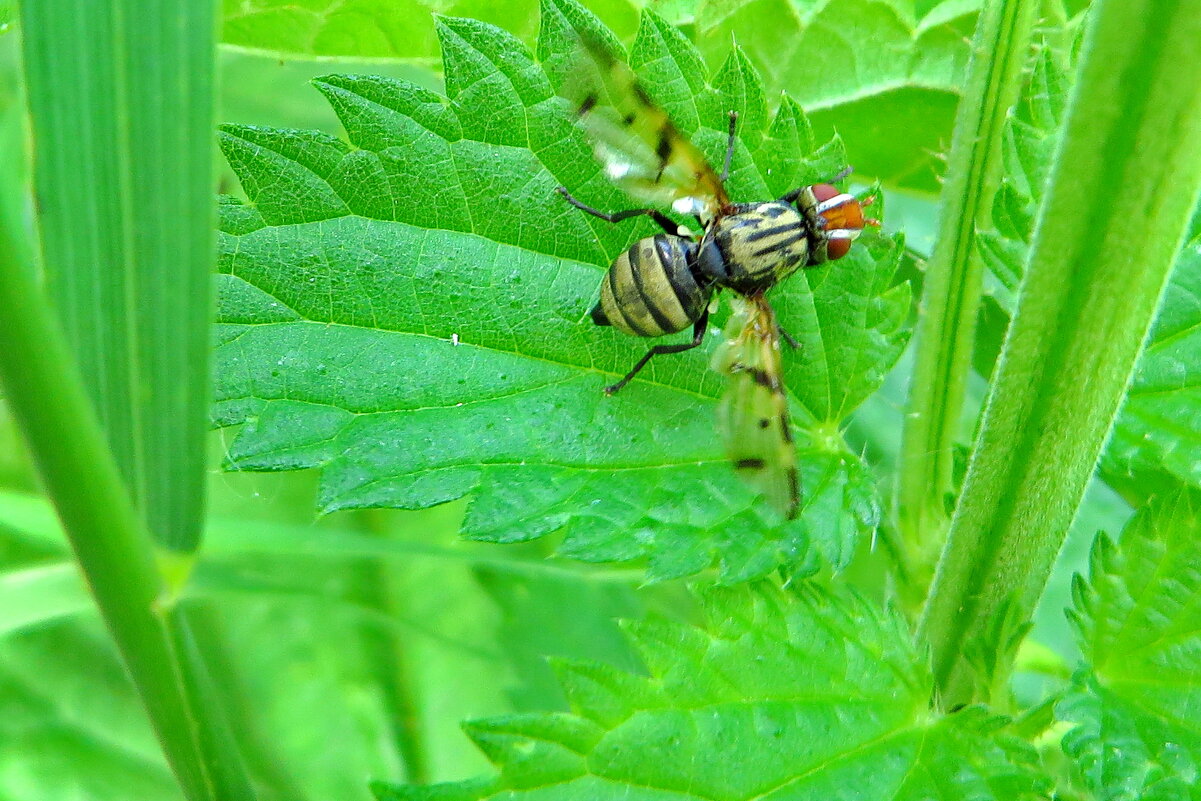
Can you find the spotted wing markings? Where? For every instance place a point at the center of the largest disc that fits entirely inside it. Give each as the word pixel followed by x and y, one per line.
pixel 642 150
pixel 753 413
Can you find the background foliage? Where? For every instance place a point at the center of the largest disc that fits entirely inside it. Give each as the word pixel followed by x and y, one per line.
pixel 402 303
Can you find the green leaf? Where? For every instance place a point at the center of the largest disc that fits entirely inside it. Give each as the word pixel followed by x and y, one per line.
pixel 851 325
pixel 358 28
pixel 377 29
pixel 887 80
pixel 557 617
pixel 1157 438
pixel 1158 433
pixel 71 728
pixel 1137 705
pixel 30 596
pixel 409 312
pixel 778 695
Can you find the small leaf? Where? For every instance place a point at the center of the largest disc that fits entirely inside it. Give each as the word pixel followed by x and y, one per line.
pixel 1138 617
pixel 737 87
pixel 798 695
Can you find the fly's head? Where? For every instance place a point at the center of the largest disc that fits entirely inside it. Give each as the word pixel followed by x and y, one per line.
pixel 835 221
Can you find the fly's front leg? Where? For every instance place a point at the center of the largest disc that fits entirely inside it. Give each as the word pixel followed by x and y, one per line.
pixel 617 216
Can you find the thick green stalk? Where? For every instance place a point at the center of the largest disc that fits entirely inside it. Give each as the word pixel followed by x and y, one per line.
pixel 48 401
pixel 1125 180
pixel 946 328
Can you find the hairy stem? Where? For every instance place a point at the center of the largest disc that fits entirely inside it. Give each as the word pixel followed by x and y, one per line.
pixel 1125 179
pixel 947 325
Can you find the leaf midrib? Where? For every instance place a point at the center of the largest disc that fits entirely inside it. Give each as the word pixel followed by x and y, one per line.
pixel 579 368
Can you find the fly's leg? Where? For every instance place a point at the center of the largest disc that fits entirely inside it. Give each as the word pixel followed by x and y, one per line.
pixel 725 170
pixel 838 176
pixel 617 216
pixel 698 336
pixel 787 337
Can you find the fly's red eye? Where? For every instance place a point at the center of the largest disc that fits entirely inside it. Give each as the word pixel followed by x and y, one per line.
pixel 837 248
pixel 824 192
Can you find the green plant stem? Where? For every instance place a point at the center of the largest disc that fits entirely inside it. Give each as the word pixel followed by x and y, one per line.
pixel 48 402
pixel 1124 182
pixel 947 324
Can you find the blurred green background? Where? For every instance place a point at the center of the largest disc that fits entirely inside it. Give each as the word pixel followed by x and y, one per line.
pixel 357 642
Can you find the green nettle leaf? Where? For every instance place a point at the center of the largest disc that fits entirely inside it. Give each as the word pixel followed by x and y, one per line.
pixel 408 312
pixel 1159 430
pixel 364 28
pixel 1137 704
pixel 1156 440
pixel 780 695
pixel 882 72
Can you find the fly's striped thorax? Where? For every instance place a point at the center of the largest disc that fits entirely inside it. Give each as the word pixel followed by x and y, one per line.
pixel 650 289
pixel 761 244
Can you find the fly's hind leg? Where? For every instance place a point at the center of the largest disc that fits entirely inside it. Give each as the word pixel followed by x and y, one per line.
pixel 617 216
pixel 698 336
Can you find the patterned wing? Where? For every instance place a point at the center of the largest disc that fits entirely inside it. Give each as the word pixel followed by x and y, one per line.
pixel 753 413
pixel 642 150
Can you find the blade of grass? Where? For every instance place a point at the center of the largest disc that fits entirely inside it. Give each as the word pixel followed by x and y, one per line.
pixel 946 327
pixel 1125 180
pixel 121 99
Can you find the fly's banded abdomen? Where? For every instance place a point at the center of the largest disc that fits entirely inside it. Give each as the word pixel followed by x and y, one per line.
pixel 650 289
pixel 760 245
